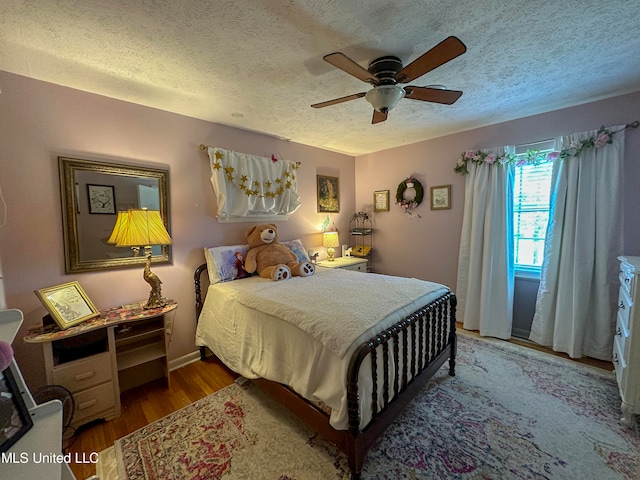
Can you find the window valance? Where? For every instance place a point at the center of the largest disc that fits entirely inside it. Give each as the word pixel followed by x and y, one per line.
pixel 250 186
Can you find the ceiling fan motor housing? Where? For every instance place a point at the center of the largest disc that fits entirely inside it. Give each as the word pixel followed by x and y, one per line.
pixel 385 69
pixel 386 94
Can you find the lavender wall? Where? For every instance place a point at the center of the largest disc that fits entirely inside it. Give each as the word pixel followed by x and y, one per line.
pixel 428 248
pixel 41 121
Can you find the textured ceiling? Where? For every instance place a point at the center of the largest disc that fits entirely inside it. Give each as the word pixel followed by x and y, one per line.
pixel 258 65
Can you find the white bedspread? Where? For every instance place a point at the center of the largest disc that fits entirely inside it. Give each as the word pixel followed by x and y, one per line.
pixel 258 344
pixel 337 307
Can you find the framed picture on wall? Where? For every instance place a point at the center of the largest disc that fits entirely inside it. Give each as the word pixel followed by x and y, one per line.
pixel 441 197
pixel 101 199
pixel 381 201
pixel 328 194
pixel 15 420
pixel 67 304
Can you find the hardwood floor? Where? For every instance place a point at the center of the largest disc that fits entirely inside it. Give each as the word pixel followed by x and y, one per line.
pixel 526 343
pixel 148 403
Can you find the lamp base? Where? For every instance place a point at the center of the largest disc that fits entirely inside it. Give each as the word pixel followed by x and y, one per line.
pixel 155 296
pixel 154 300
pixel 331 254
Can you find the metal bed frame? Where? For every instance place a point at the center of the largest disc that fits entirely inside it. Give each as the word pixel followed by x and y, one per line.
pixel 413 349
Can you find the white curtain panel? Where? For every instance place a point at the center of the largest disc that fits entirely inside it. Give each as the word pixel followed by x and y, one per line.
pixel 485 263
pixel 251 186
pixel 576 303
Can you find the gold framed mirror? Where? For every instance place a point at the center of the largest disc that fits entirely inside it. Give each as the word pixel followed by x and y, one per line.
pixel 92 194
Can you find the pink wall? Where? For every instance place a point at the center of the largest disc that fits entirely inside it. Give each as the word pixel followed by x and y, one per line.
pixel 41 121
pixel 428 248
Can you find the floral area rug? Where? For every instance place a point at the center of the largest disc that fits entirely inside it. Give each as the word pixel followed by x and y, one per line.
pixel 509 413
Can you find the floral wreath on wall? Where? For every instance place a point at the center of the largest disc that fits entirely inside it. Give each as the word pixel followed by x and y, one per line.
pixel 534 157
pixel 405 196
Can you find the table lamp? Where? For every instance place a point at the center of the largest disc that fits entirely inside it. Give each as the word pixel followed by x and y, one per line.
pixel 330 240
pixel 142 228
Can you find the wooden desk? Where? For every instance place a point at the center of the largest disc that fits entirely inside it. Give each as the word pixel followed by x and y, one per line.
pixel 101 357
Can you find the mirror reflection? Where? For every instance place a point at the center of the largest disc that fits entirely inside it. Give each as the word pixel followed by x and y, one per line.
pixel 92 195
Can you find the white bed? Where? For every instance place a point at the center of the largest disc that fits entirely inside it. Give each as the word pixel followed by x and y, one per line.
pixel 306 333
pixel 251 341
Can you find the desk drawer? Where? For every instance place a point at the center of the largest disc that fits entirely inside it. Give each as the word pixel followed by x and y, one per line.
pixel 85 373
pixel 93 401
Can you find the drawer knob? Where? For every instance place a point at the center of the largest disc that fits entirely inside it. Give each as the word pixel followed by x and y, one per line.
pixel 621 306
pixel 618 332
pixel 615 358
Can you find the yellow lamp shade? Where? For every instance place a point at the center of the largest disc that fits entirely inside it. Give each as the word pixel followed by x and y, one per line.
pixel 330 239
pixel 135 228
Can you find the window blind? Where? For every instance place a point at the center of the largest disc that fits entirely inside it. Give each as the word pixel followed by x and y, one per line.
pixel 532 185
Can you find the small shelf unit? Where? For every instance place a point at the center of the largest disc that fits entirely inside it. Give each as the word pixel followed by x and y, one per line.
pixel 361 237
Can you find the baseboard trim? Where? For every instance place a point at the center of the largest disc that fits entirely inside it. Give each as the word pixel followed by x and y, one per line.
pixel 184 360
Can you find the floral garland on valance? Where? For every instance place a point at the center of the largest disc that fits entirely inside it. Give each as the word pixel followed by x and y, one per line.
pixel 534 157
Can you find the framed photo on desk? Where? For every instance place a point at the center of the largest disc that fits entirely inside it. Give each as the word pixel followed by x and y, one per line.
pixel 67 304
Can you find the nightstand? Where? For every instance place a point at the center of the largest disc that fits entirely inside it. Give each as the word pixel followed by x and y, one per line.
pixel 346 263
pixel 124 347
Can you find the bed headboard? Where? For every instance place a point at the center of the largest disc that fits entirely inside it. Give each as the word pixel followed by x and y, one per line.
pixel 197 283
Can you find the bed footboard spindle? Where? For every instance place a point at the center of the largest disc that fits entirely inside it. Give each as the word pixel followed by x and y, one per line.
pixel 385 370
pixel 420 319
pixel 452 336
pixel 405 347
pixel 412 325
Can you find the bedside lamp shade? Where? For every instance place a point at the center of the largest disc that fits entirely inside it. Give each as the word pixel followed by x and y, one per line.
pixel 139 228
pixel 330 240
pixel 142 228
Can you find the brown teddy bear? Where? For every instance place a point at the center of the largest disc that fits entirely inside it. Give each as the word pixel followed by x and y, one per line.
pixel 270 258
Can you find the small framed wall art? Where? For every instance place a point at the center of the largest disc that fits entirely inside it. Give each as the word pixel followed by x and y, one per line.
pixel 67 304
pixel 101 199
pixel 441 197
pixel 328 194
pixel 381 201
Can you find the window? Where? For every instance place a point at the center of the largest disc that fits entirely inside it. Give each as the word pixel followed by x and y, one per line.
pixel 532 186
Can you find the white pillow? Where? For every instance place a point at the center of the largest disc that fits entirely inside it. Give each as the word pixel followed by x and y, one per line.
pixel 226 263
pixel 297 247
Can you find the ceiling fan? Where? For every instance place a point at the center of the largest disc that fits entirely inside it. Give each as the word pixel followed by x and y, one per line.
pixel 385 73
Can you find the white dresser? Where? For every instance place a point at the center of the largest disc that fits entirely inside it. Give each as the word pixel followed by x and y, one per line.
pixel 626 343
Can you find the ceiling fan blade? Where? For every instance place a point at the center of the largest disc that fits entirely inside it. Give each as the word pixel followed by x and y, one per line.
pixel 378 117
pixel 344 63
pixel 339 100
pixel 436 95
pixel 448 49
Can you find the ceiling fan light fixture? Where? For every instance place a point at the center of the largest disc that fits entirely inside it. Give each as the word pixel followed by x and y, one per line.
pixel 384 97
